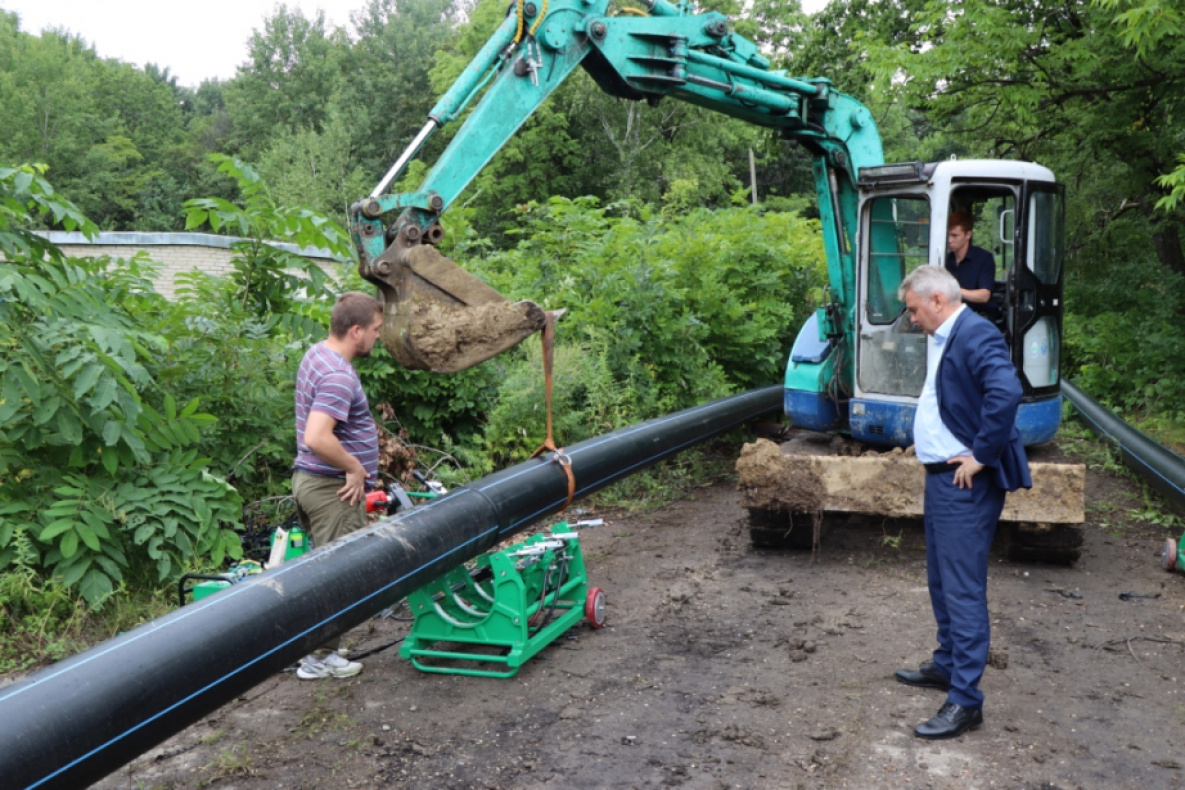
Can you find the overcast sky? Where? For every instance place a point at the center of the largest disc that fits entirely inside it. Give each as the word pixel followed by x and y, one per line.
pixel 196 41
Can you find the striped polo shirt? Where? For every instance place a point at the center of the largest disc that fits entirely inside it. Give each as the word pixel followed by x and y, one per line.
pixel 327 382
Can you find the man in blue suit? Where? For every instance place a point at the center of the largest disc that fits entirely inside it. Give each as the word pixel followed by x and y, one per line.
pixel 965 434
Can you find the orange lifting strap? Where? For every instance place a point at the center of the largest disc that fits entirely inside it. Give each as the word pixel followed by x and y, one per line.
pixel 558 454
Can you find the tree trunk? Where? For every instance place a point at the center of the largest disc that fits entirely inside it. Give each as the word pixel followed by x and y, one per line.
pixel 1167 240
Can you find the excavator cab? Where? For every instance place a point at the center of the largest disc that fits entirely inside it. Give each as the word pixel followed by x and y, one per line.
pixel 1018 218
pixel 904 210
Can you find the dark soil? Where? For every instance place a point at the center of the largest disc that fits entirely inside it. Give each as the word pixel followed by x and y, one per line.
pixel 724 666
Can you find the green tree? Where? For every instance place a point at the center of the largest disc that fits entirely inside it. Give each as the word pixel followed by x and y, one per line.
pixel 388 94
pixel 1149 26
pixel 210 127
pixel 112 134
pixel 294 69
pixel 269 279
pixel 45 93
pixel 1054 82
pixel 632 150
pixel 319 170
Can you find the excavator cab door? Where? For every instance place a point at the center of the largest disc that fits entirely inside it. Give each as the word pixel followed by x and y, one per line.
pixel 993 211
pixel 895 239
pixel 1034 304
pixel 1019 216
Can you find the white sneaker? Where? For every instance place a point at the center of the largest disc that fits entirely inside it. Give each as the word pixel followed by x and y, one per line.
pixel 330 666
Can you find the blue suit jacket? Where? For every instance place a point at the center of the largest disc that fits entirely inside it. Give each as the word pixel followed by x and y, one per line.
pixel 978 394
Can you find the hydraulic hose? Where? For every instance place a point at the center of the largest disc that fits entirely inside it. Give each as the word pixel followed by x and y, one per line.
pixel 72 723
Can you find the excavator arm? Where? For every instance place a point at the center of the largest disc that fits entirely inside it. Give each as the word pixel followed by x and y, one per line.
pixel 439 317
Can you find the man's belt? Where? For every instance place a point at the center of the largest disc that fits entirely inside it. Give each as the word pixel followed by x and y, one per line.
pixel 935 469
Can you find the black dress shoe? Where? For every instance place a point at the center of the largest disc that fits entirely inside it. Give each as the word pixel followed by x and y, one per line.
pixel 927 676
pixel 951 721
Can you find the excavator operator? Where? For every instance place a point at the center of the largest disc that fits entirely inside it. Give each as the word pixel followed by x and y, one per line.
pixel 974 267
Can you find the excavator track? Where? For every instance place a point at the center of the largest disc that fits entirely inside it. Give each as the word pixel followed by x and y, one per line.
pixel 1053 544
pixel 774 529
pixel 1058 544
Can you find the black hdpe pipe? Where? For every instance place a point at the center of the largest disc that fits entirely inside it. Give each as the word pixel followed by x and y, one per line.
pixel 1159 466
pixel 75 722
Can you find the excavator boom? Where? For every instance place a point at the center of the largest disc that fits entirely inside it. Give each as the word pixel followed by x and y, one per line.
pixel 438 316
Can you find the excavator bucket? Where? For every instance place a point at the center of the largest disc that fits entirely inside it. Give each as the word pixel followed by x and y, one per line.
pixel 438 317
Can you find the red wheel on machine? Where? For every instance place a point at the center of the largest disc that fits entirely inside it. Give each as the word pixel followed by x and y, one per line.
pixel 594 607
pixel 1169 561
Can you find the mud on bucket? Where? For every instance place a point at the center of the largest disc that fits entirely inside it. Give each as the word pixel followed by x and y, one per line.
pixel 440 317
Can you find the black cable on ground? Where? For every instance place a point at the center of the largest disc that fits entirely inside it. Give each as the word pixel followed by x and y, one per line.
pixel 373 650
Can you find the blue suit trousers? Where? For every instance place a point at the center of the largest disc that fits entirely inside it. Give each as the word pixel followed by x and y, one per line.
pixel 960 526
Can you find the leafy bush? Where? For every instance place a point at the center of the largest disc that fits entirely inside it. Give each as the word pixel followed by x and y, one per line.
pixel 588 400
pixel 682 309
pixel 98 478
pixel 267 278
pixel 437 409
pixel 1122 342
pixel 38 618
pixel 242 367
pixel 236 342
pixel 662 313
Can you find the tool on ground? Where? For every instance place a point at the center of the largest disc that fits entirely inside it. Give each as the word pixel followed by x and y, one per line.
pixel 1173 556
pixel 1127 596
pixel 396 498
pixel 503 609
pixel 286 544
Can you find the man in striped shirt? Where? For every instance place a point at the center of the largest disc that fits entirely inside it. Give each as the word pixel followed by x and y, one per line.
pixel 337 449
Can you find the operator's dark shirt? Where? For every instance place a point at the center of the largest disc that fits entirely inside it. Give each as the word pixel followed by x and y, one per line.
pixel 978 270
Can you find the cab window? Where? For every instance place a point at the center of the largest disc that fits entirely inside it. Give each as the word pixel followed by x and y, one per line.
pixel 898 241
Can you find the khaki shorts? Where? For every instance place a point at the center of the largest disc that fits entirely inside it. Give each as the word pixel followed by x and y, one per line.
pixel 323 515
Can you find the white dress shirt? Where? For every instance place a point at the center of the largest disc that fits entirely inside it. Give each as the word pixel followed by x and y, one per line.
pixel 932 441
